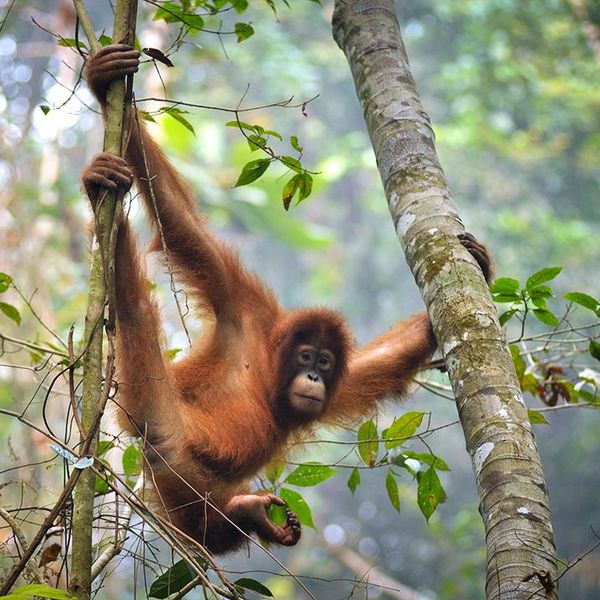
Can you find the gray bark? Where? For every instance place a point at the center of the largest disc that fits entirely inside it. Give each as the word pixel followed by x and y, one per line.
pixel 514 503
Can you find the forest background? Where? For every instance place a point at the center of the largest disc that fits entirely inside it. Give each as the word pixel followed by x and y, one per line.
pixel 513 92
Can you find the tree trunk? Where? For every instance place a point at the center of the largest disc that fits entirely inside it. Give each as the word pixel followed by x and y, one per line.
pixel 101 288
pixel 514 503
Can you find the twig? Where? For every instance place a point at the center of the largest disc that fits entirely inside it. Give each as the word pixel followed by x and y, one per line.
pixel 121 523
pixel 282 104
pixel 29 304
pixel 65 494
pixel 5 17
pixel 34 573
pixel 86 23
pixel 41 532
pixel 32 346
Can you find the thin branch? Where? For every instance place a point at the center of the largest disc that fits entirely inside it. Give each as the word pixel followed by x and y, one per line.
pixel 6 14
pixel 34 573
pixel 121 527
pixel 32 346
pixel 86 23
pixel 282 104
pixel 41 532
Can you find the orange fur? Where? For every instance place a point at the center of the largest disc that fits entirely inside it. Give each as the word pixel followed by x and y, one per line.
pixel 209 418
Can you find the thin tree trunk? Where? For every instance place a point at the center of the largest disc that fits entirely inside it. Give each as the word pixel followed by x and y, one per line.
pixel 101 289
pixel 514 503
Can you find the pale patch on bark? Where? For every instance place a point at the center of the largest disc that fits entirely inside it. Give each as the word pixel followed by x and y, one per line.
pixel 404 222
pixel 480 455
pixel 450 345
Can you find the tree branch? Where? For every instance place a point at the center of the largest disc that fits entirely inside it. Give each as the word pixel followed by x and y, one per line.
pixel 506 463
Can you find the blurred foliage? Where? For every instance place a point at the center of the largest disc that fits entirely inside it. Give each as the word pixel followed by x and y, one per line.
pixel 513 91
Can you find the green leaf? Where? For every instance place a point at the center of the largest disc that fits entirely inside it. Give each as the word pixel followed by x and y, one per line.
pixel 177 114
pixel 536 417
pixel 539 295
pixel 428 459
pixel 256 142
pixel 541 291
pixel 251 584
pixel 252 171
pixel 11 312
pixel 542 276
pixel 45 108
pixel 292 163
pixel 507 316
pixel 40 590
pixel 408 462
pixel 132 460
pixel 301 183
pixel 105 40
pixel 402 429
pixel 240 6
pixel 588 397
pixel 506 285
pixel 271 5
pixel 310 474
pixel 298 505
pixel 5 281
pixel 103 447
pixel 243 31
pixel 146 116
pixel 540 303
pixel 274 469
pixel 71 43
pixel 101 486
pixel 594 349
pixel 272 133
pixel 368 443
pixel 295 144
pixel 546 317
pixel 354 480
pixel 430 492
pixel 505 298
pixel 174 579
pixel 392 490
pixel 305 186
pixel 582 299
pixel 173 13
pixel 242 125
pixel 289 190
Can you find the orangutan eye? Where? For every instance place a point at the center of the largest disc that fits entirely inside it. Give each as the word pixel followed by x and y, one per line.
pixel 324 363
pixel 304 358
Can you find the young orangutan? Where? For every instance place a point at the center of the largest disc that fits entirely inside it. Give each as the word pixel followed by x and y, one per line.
pixel 259 377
